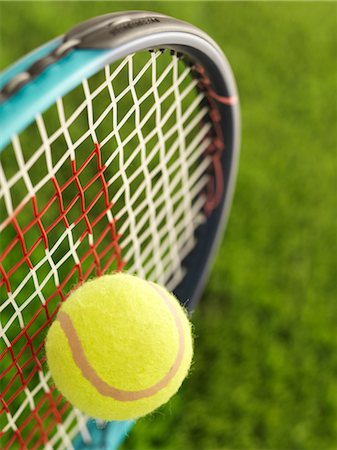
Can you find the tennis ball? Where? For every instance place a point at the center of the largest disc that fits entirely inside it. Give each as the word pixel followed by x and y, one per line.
pixel 120 347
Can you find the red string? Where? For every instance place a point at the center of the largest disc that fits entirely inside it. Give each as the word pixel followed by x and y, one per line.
pixel 216 183
pixel 26 350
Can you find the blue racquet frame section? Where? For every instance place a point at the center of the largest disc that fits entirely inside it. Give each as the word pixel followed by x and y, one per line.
pixel 19 110
pixel 113 436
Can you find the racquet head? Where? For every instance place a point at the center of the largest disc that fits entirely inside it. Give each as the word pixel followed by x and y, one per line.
pixel 119 151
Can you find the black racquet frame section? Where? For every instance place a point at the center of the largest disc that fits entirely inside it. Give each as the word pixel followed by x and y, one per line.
pixel 121 29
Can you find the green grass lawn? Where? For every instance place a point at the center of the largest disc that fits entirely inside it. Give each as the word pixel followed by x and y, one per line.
pixel 265 368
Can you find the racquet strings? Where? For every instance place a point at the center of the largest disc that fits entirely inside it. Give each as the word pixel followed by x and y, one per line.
pixel 113 176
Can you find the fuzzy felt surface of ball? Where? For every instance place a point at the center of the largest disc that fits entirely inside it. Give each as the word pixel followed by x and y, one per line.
pixel 120 347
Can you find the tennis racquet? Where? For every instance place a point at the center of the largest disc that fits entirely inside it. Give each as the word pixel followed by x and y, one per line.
pixel 119 149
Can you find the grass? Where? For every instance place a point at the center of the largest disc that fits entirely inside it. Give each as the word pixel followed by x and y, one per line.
pixel 265 369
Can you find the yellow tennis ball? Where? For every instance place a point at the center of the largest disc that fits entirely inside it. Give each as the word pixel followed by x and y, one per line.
pixel 119 347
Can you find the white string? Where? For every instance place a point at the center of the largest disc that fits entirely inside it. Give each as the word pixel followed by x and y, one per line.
pixel 154 242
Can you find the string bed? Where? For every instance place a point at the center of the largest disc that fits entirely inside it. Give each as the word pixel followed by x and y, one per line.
pixel 114 176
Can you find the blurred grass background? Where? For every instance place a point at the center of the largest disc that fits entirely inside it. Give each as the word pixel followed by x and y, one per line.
pixel 265 368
